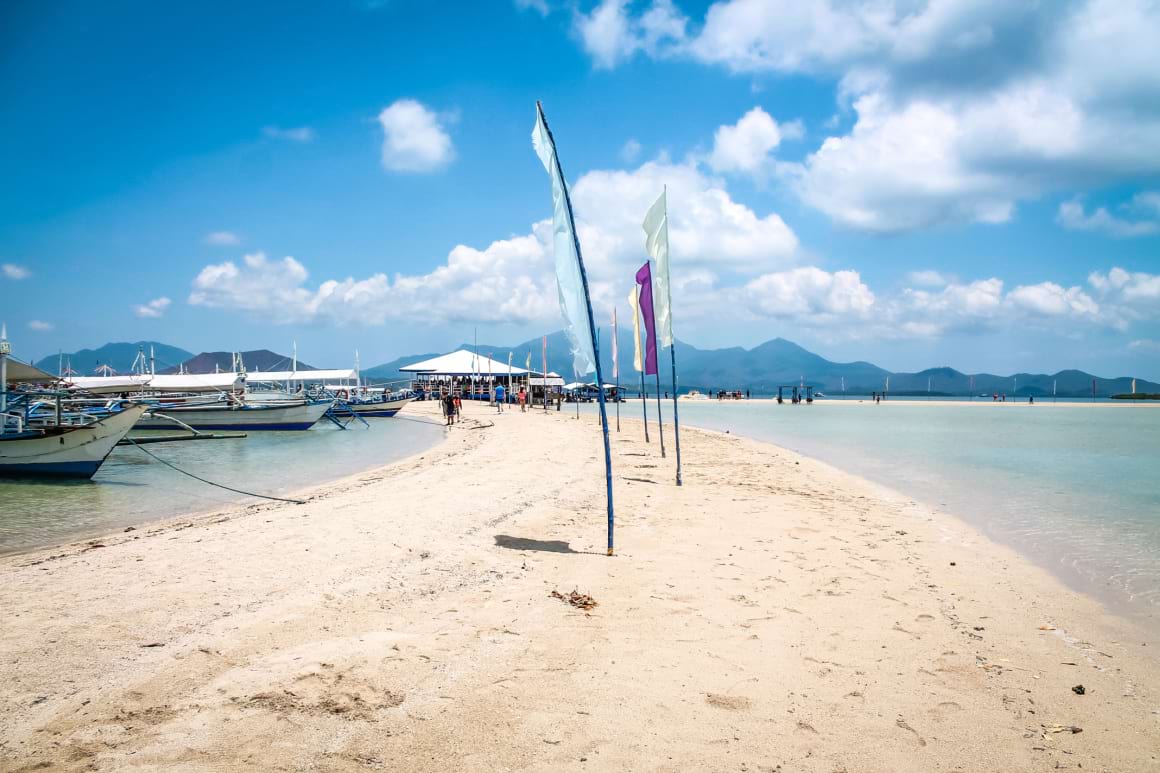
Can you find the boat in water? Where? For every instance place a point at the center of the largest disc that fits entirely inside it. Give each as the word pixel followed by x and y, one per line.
pixel 694 394
pixel 288 415
pixel 62 450
pixel 383 406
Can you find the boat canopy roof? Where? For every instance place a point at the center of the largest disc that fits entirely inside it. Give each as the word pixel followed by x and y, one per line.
pixel 463 363
pixel 21 372
pixel 184 382
pixel 302 375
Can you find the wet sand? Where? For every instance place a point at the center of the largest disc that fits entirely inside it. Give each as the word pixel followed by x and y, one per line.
pixel 771 614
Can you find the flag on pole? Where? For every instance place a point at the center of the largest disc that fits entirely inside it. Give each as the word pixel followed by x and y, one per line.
pixel 634 304
pixel 656 227
pixel 644 279
pixel 615 366
pixel 569 283
pixel 544 356
pixel 1133 386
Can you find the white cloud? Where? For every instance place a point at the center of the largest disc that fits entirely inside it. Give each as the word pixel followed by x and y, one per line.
pixel 222 239
pixel 153 309
pixel 295 134
pixel 13 271
pixel 965 108
pixel 927 278
pixel 1073 217
pixel 39 326
pixel 610 35
pixel 1052 300
pixel 1136 289
pixel 513 279
pixel 414 139
pixel 810 295
pixel 746 146
pixel 630 152
pixel 1145 344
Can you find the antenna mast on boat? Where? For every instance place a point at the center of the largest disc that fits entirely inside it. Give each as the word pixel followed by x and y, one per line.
pixel 5 348
pixel 152 361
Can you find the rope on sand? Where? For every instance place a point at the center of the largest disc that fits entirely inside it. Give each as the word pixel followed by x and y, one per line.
pixel 210 482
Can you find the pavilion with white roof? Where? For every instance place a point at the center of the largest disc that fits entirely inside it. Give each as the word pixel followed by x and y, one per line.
pixel 475 375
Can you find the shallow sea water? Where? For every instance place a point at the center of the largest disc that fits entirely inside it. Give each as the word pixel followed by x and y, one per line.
pixel 131 488
pixel 1075 488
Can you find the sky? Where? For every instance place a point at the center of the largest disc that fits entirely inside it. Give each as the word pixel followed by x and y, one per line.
pixel 954 182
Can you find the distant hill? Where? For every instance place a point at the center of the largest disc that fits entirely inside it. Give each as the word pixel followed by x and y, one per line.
pixel 781 362
pixel 258 359
pixel 118 356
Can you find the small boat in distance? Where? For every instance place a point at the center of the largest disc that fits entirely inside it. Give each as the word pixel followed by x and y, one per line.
pixel 694 394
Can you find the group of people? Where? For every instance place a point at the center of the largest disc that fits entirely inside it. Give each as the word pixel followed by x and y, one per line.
pixel 452 404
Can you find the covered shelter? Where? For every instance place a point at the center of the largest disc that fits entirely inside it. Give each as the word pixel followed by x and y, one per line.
pixel 472 375
pixel 22 373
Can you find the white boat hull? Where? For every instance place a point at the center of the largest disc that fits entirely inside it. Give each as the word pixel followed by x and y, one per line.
pixel 68 452
pixel 270 416
pixel 385 408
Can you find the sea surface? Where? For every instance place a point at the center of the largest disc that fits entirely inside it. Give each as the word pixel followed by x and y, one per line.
pixel 132 488
pixel 1075 488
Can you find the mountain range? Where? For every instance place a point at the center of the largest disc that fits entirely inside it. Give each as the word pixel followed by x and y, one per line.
pixel 167 359
pixel 760 369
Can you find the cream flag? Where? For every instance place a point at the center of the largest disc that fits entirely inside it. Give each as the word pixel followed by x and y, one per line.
pixel 634 304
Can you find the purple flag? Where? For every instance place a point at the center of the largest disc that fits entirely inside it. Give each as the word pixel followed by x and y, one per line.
pixel 644 279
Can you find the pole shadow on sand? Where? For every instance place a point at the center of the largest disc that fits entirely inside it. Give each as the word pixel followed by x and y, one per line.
pixel 540 545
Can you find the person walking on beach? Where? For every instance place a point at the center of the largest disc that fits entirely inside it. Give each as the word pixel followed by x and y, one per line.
pixel 499 398
pixel 458 406
pixel 523 400
pixel 448 408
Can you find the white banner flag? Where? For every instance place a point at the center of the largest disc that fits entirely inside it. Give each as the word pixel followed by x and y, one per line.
pixel 568 282
pixel 656 228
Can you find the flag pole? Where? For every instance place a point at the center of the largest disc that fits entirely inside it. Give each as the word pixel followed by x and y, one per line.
pixel 591 329
pixel 644 405
pixel 672 344
pixel 660 423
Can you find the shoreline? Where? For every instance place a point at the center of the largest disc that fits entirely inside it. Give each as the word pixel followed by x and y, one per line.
pixel 422 620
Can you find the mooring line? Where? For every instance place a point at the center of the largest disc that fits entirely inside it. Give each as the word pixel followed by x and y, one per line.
pixel 210 482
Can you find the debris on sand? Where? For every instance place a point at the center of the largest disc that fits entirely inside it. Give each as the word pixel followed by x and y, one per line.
pixel 1078 689
pixel 576 599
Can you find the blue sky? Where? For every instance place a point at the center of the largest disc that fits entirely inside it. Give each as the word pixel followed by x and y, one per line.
pixel 971 184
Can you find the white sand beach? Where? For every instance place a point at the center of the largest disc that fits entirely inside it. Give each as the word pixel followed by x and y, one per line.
pixel 773 614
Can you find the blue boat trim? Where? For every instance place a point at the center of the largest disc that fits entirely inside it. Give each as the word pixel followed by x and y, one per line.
pixel 51 469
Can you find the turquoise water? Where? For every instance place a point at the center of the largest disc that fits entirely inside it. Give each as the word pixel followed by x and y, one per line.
pixel 131 488
pixel 1075 488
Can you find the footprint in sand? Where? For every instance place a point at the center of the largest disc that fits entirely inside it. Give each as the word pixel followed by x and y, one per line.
pixel 729 702
pixel 902 724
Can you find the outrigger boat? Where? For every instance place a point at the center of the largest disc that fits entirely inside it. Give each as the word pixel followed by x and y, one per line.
pixel 52 446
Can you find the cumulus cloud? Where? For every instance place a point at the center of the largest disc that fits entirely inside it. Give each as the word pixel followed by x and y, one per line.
pixel 746 146
pixel 13 271
pixel 1073 217
pixel 295 134
pixel 414 138
pixel 964 108
pixel 513 279
pixel 809 294
pixel 222 239
pixel 40 326
pixel 153 309
pixel 611 35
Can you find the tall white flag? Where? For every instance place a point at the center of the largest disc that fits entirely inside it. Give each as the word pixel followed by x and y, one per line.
pixel 568 282
pixel 656 228
pixel 615 365
pixel 634 304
